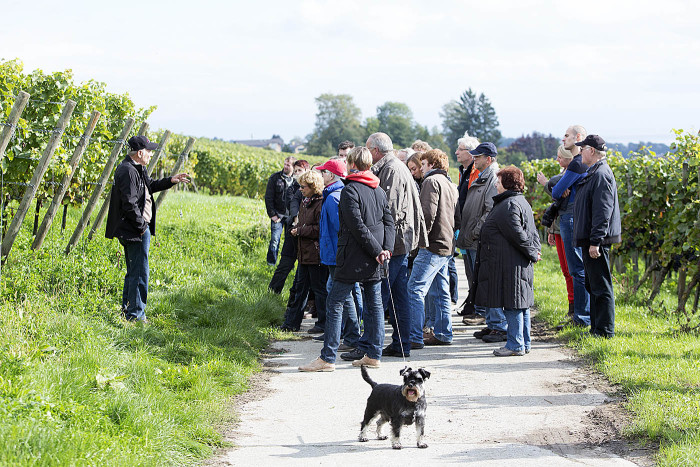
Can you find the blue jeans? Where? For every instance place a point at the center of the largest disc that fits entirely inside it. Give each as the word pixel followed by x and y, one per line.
pixel 574 259
pixel 350 328
pixel 372 339
pixel 135 293
pixel 276 233
pixel 398 278
pixel 429 267
pixel 430 308
pixel 518 335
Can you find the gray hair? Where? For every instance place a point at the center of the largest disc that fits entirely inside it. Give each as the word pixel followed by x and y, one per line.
pixel 360 157
pixel 467 142
pixel 381 141
pixel 600 154
pixel 579 129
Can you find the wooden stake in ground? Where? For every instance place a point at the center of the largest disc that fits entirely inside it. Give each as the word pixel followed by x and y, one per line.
pixel 176 169
pixel 8 128
pixel 63 187
pixel 41 167
pixel 104 178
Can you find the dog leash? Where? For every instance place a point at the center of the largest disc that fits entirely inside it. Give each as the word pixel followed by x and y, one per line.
pixel 391 299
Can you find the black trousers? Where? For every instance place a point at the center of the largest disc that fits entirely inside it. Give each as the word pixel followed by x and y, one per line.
pixel 308 277
pixel 599 286
pixel 288 256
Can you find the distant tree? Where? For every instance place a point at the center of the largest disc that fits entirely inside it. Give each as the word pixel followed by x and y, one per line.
pixel 337 120
pixel 509 157
pixel 396 120
pixel 471 113
pixel 535 146
pixel 371 126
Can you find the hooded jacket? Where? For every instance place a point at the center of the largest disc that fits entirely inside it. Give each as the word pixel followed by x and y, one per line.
pixel 127 200
pixel 366 229
pixel 400 188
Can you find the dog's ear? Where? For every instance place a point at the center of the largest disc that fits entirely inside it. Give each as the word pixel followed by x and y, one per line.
pixel 424 373
pixel 405 370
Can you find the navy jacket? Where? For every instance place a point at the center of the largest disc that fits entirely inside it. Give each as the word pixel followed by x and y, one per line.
pixel 127 200
pixel 596 210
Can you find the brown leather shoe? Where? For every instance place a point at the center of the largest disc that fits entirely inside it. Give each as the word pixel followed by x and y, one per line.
pixel 473 320
pixel 318 365
pixel 435 341
pixel 368 362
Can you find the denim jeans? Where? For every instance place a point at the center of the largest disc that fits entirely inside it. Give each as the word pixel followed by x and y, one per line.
pixel 350 329
pixel 359 306
pixel 135 292
pixel 372 339
pixel 454 280
pixel 276 233
pixel 599 284
pixel 398 278
pixel 430 305
pixel 429 267
pixel 308 277
pixel 518 335
pixel 574 259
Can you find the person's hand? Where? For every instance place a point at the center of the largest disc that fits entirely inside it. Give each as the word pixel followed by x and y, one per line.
pixel 539 255
pixel 293 231
pixel 383 256
pixel 275 219
pixel 180 178
pixel 566 193
pixel 541 179
pixel 551 240
pixel 594 251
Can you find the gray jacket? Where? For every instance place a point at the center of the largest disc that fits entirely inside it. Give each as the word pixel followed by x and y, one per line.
pixel 476 208
pixel 404 203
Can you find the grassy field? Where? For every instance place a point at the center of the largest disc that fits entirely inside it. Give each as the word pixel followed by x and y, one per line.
pixel 80 386
pixel 658 368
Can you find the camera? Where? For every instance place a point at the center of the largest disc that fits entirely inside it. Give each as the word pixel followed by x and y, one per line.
pixel 551 213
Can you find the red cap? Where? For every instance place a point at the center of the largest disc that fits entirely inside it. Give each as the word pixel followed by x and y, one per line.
pixel 335 166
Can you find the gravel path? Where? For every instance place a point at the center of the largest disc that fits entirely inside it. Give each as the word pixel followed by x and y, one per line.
pixel 542 409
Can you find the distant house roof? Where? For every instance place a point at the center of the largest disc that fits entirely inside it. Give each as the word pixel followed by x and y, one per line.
pixel 275 143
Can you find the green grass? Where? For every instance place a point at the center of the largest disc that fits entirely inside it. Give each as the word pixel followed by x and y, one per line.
pixel 80 386
pixel 657 367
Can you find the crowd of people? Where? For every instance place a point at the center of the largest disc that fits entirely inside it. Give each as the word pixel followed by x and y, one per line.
pixel 374 232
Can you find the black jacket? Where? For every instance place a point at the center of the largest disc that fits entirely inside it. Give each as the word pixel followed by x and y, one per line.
pixel 127 200
pixel 463 186
pixel 366 228
pixel 276 195
pixel 508 247
pixel 596 209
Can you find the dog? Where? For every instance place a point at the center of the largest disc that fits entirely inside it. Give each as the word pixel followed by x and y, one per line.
pixel 399 405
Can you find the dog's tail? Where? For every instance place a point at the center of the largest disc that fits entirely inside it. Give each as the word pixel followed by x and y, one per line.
pixel 366 377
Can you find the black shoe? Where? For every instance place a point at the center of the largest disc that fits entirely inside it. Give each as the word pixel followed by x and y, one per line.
pixel 390 351
pixel 480 334
pixel 320 337
pixel 352 355
pixel 417 345
pixel 315 330
pixel 495 336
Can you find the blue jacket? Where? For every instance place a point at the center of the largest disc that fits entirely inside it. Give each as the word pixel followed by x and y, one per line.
pixel 330 223
pixel 573 174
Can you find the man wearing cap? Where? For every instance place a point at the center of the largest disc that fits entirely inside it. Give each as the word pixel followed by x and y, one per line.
pixel 597 226
pixel 567 187
pixel 477 206
pixel 132 220
pixel 333 173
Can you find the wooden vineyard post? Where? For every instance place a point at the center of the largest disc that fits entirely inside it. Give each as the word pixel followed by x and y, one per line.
pixel 159 152
pixel 105 204
pixel 8 128
pixel 63 187
pixel 41 167
pixel 176 169
pixel 104 178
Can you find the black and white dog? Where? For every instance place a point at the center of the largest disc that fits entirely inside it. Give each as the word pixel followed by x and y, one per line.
pixel 399 405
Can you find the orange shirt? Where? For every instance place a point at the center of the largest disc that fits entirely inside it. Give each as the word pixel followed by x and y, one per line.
pixel 473 175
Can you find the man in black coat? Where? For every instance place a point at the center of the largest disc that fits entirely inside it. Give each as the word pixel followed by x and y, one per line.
pixel 275 197
pixel 597 226
pixel 132 220
pixel 365 241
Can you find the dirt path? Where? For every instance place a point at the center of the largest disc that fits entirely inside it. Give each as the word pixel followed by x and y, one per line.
pixel 545 408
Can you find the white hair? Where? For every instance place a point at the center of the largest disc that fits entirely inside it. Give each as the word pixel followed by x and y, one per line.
pixel 467 142
pixel 380 141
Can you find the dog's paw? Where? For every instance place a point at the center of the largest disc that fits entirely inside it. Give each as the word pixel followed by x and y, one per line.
pixel 362 439
pixel 422 445
pixel 382 437
pixel 396 446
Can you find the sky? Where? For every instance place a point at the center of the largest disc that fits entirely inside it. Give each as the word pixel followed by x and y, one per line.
pixel 626 70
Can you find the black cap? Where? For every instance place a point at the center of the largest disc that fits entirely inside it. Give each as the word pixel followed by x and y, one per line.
pixel 594 141
pixel 485 149
pixel 136 143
